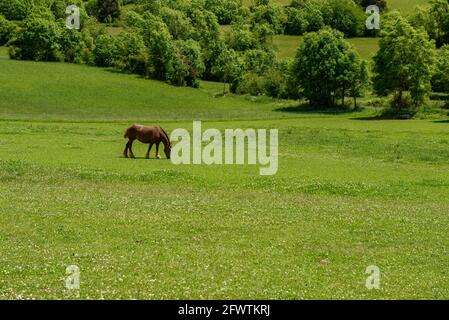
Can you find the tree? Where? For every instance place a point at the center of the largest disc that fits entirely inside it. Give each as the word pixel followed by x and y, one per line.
pixel 440 81
pixel 268 14
pixel 37 40
pixel 240 37
pixel 345 16
pixel 14 9
pixel 160 46
pixel 225 10
pixel 106 50
pixel 404 62
pixel 435 19
pixel 108 10
pixel 132 54
pixel 177 22
pixel 228 68
pixel 326 65
pixel 72 45
pixel 188 64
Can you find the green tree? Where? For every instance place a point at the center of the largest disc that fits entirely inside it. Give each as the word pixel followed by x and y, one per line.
pixel 106 50
pixel 269 14
pixel 325 66
pixel 240 37
pixel 38 39
pixel 188 65
pixel 108 10
pixel 404 62
pixel 15 9
pixel 178 23
pixel 435 19
pixel 228 68
pixel 132 54
pixel 6 30
pixel 440 81
pixel 226 11
pixel 160 46
pixel 345 16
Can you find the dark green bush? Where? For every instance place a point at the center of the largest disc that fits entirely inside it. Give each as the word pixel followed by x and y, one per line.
pixel 38 39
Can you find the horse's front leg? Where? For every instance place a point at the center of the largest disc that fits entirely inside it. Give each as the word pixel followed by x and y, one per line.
pixel 148 152
pixel 125 152
pixel 158 156
pixel 130 145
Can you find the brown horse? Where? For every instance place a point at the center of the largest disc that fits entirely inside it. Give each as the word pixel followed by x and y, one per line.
pixel 147 134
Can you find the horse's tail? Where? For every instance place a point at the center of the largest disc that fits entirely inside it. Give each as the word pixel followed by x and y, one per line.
pixel 166 136
pixel 126 135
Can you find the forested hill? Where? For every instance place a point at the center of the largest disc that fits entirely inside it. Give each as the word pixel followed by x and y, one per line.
pixel 256 47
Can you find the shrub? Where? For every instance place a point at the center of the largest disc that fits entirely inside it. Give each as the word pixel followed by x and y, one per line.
pixel 440 80
pixel 6 30
pixel 177 22
pixel 297 23
pixel 404 62
pixel 108 10
pixel 72 45
pixel 132 55
pixel 106 50
pixel 187 64
pixel 14 9
pixel 345 16
pixel 326 65
pixel 37 40
pixel 226 11
pixel 241 38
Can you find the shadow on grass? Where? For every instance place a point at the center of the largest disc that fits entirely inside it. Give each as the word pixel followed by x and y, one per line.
pixel 440 121
pixel 307 108
pixel 116 71
pixel 139 158
pixel 388 115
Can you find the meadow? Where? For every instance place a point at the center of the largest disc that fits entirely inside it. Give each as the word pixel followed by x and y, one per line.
pixel 351 192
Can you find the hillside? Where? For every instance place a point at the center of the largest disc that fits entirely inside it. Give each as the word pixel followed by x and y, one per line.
pixel 38 90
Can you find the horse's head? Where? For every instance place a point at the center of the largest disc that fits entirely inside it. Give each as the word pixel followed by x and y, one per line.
pixel 167 150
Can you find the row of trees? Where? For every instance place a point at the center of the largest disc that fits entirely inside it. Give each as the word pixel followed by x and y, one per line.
pixel 406 66
pixel 182 42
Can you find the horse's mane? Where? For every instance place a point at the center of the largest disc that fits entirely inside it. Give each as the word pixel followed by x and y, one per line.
pixel 166 135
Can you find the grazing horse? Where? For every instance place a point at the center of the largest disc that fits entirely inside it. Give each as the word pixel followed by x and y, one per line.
pixel 147 134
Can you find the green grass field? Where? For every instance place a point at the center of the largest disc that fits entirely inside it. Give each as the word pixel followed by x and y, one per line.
pixel 349 193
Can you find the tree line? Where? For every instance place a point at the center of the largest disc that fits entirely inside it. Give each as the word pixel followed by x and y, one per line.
pixel 182 42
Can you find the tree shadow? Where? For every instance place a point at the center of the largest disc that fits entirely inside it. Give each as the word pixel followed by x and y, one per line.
pixel 137 158
pixel 440 121
pixel 307 108
pixel 388 116
pixel 117 71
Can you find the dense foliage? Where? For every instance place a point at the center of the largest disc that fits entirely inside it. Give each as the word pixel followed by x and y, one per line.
pixel 181 42
pixel 326 67
pixel 404 63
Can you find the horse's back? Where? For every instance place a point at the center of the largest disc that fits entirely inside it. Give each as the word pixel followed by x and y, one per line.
pixel 146 134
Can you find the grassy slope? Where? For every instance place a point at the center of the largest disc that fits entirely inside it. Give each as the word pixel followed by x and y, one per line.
pixel 350 192
pixel 287 45
pixel 70 92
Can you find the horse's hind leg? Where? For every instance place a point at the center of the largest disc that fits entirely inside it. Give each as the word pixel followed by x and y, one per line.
pixel 158 156
pixel 148 152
